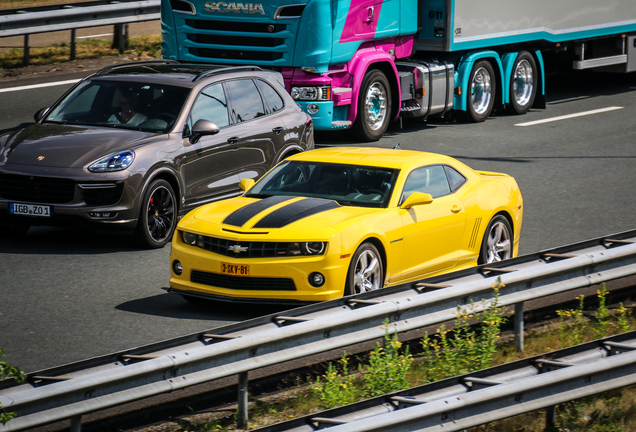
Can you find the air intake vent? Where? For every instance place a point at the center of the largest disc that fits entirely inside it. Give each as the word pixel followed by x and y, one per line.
pixel 294 11
pixel 182 6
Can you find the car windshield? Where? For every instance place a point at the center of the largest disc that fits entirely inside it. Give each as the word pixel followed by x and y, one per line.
pixel 353 185
pixel 124 105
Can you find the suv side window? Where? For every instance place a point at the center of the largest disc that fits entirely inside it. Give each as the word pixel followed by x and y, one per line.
pixel 246 100
pixel 430 179
pixel 272 97
pixel 211 104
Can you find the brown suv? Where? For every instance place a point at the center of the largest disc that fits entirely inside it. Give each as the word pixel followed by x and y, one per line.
pixel 134 147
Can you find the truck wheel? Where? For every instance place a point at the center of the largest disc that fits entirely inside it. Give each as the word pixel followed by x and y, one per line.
pixel 157 217
pixel 374 106
pixel 523 87
pixel 482 88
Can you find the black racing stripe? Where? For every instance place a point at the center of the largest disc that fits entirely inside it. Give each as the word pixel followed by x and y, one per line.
pixel 295 211
pixel 242 215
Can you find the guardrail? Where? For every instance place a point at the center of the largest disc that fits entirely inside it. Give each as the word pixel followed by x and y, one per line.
pixel 28 21
pixel 68 392
pixel 491 394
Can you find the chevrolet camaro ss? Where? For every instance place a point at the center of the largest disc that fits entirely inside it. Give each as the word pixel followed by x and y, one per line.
pixel 340 221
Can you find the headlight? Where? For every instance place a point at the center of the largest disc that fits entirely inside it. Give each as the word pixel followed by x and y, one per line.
pixel 311 93
pixel 306 248
pixel 188 238
pixel 115 162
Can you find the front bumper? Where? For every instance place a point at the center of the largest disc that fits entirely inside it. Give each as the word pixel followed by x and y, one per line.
pixel 289 274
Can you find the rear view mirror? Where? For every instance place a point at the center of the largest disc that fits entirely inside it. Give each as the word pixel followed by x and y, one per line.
pixel 39 115
pixel 246 184
pixel 203 127
pixel 416 198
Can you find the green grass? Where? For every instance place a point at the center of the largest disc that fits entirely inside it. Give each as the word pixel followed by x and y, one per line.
pixel 142 47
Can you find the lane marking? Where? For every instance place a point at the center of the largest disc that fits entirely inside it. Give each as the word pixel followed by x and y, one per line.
pixel 93 36
pixel 569 116
pixel 37 86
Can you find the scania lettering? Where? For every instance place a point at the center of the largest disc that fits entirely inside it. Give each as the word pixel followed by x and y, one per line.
pixel 360 64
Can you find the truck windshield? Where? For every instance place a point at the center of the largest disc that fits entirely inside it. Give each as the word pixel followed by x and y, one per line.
pixel 354 185
pixel 118 104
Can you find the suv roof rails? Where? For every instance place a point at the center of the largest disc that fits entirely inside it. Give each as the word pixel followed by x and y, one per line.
pixel 224 70
pixel 136 63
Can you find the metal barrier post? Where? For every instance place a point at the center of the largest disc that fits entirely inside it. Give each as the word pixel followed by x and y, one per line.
pixel 120 37
pixel 73 44
pixel 26 59
pixel 76 424
pixel 519 326
pixel 550 418
pixel 242 415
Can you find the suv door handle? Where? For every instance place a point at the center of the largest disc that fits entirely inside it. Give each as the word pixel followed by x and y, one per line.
pixel 233 140
pixel 278 130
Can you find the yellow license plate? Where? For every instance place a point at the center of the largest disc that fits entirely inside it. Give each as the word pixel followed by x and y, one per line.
pixel 235 269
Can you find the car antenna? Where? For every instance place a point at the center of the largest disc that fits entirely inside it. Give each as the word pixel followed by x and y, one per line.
pixel 397 147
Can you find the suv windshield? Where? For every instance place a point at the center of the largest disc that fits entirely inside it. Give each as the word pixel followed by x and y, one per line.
pixel 353 185
pixel 119 104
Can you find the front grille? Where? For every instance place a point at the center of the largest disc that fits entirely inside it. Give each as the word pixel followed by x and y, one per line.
pixel 45 190
pixel 254 249
pixel 103 196
pixel 235 40
pixel 242 283
pixel 232 26
pixel 232 54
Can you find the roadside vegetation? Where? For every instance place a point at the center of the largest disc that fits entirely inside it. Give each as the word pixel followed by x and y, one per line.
pixel 472 344
pixel 7 371
pixel 142 48
pixel 13 4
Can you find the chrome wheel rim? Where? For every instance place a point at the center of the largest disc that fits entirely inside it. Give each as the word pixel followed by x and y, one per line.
pixel 367 272
pixel 498 243
pixel 523 82
pixel 375 106
pixel 160 214
pixel 481 90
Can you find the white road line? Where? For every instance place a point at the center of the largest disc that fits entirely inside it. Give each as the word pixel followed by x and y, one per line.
pixel 569 116
pixel 37 86
pixel 93 36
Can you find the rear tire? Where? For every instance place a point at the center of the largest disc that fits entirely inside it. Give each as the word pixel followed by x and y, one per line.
pixel 157 217
pixel 523 84
pixel 497 243
pixel 374 107
pixel 481 92
pixel 366 272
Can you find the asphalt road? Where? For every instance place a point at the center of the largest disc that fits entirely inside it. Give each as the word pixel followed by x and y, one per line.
pixel 67 295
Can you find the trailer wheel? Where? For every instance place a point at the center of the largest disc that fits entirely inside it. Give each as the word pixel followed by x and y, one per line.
pixel 374 107
pixel 482 88
pixel 523 88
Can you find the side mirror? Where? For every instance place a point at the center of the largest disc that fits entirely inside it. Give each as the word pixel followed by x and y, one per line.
pixel 246 184
pixel 203 127
pixel 39 115
pixel 416 198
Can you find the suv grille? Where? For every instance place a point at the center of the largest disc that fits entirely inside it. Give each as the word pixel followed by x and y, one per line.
pixel 254 249
pixel 242 283
pixel 44 190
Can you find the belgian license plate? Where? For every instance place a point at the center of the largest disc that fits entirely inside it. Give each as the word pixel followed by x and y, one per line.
pixel 235 269
pixel 30 210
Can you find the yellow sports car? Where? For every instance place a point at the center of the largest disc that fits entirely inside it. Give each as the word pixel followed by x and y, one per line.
pixel 339 221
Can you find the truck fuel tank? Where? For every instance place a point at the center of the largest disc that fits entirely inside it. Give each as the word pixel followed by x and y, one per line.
pixel 426 88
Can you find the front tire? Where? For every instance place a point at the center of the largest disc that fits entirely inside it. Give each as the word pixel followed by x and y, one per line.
pixel 497 243
pixel 158 216
pixel 374 107
pixel 523 84
pixel 366 272
pixel 482 88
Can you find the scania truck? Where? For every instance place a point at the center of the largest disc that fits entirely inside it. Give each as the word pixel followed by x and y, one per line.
pixel 360 64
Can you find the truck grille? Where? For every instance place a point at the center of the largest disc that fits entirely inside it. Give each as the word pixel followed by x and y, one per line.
pixel 43 190
pixel 242 283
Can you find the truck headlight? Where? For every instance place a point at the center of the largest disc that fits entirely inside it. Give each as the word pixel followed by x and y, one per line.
pixel 311 93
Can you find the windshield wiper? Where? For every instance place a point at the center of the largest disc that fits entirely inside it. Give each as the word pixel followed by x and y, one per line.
pixel 55 121
pixel 261 195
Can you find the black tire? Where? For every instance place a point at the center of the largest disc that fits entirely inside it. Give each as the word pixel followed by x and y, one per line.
pixel 13 230
pixel 357 280
pixel 157 217
pixel 374 107
pixel 481 92
pixel 523 84
pixel 498 241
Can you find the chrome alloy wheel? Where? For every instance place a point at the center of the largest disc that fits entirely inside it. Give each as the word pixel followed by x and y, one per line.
pixel 375 106
pixel 523 82
pixel 481 90
pixel 498 243
pixel 161 214
pixel 367 274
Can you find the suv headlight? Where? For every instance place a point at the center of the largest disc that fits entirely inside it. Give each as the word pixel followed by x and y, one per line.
pixel 114 162
pixel 311 93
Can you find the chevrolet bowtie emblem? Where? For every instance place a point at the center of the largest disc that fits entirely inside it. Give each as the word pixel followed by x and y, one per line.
pixel 237 248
